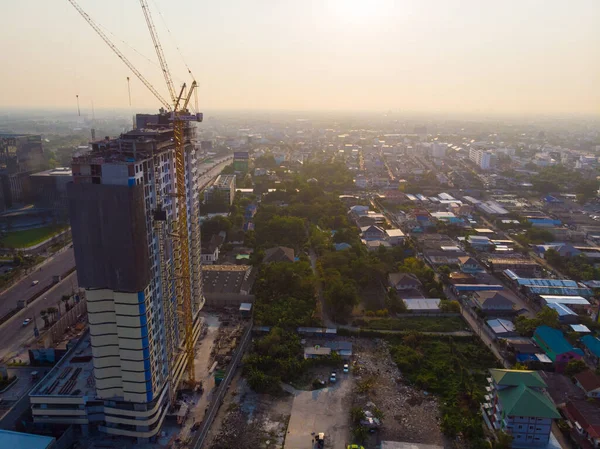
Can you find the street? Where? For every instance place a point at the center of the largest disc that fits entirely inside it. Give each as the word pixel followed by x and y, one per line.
pixel 56 265
pixel 12 333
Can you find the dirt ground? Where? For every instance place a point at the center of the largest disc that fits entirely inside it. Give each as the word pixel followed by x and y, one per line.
pixel 410 415
pixel 250 420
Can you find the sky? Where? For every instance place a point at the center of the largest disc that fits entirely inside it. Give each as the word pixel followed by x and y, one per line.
pixel 451 56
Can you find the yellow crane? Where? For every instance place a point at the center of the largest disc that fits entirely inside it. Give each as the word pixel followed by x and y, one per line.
pixel 179 114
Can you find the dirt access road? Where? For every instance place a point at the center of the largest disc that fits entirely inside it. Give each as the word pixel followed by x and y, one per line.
pixel 326 410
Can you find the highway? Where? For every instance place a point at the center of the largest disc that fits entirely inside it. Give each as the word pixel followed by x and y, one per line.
pixel 13 336
pixel 58 264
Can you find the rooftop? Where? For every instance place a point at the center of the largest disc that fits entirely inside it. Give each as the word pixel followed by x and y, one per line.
pixel 522 400
pixel 19 440
pixel 58 171
pixel 592 344
pixel 555 340
pixel 588 380
pixel 225 278
pixel 72 376
pixel 510 377
pixel 422 303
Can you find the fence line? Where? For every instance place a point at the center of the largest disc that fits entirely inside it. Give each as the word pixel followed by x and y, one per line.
pixel 211 413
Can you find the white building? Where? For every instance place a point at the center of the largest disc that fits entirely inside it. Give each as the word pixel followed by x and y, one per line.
pixel 225 185
pixel 123 243
pixel 482 158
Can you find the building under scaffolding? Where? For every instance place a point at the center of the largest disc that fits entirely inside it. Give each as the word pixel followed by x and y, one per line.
pixel 124 206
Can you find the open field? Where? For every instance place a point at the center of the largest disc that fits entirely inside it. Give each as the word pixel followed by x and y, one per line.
pixel 29 237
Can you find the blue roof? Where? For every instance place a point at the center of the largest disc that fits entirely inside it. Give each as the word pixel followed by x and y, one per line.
pixel 592 343
pixel 561 309
pixel 342 246
pixel 555 340
pixel 24 440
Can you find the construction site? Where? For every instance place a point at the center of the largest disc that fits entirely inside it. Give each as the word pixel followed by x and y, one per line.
pixel 140 369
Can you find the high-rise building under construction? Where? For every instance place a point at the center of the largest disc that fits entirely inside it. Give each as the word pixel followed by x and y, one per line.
pixel 124 206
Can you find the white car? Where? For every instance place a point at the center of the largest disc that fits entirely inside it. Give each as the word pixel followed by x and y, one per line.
pixel 26 322
pixel 346 368
pixel 333 377
pixel 36 282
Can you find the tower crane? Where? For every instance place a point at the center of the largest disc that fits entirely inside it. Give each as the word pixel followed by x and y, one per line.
pixel 179 115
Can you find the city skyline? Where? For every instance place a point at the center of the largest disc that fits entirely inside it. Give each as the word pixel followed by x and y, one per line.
pixel 461 57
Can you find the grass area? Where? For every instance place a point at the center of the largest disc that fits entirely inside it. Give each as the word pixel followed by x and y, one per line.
pixel 417 323
pixel 452 368
pixel 29 237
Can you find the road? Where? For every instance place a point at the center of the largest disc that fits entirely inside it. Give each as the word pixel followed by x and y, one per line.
pixel 58 264
pixel 324 318
pixel 12 333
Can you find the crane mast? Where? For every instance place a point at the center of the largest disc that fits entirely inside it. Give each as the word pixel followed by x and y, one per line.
pixel 181 250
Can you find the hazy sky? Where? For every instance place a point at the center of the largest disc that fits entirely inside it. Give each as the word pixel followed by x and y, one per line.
pixel 493 56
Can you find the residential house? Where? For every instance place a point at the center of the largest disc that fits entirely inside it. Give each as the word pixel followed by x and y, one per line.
pixel 501 328
pixel 563 249
pixel 565 314
pixel 327 348
pixel 479 242
pixel 584 417
pixel 422 305
pixel 589 382
pixel 279 254
pixel 458 277
pixel 403 281
pixel 493 302
pixel 556 347
pixel 516 404
pixel 592 348
pixel 394 236
pixel 468 264
pixel 372 232
pixel 370 218
pixel 374 245
pixel 210 251
pixel 342 246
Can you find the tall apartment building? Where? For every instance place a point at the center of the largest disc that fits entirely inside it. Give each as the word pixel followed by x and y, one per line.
pixel 223 188
pixel 517 404
pixel 20 155
pixel 482 158
pixel 123 204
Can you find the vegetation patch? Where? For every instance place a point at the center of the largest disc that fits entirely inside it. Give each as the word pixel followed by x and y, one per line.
pixel 30 237
pixel 453 368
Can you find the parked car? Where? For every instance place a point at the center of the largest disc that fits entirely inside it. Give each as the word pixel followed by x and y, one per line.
pixel 346 368
pixel 36 282
pixel 333 377
pixel 26 321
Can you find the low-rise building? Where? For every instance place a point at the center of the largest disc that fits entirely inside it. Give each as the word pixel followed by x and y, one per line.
pixel 591 346
pixel 210 250
pixel 584 417
pixel 374 245
pixel 394 236
pixel 372 232
pixel 279 254
pixel 422 305
pixel 404 281
pixel 227 285
pixel 556 347
pixel 501 328
pixel 589 382
pixel 222 190
pixel 493 302
pixel 468 264
pixel 517 404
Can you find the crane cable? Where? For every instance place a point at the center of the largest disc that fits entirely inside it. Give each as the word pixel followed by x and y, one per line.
pixel 173 38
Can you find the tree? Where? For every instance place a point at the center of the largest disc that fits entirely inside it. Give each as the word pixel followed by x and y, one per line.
pixel 503 441
pixel 449 306
pixel 548 317
pixel 44 315
pixel 341 297
pixel 575 367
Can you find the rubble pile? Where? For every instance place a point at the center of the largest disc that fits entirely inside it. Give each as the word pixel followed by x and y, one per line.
pixel 410 414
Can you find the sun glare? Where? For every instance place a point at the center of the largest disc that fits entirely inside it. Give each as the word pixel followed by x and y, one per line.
pixel 359 11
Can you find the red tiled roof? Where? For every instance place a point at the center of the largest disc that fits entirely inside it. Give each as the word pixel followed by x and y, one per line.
pixel 588 379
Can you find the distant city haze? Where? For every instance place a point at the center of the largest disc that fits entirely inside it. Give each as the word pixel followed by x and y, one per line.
pixel 463 56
